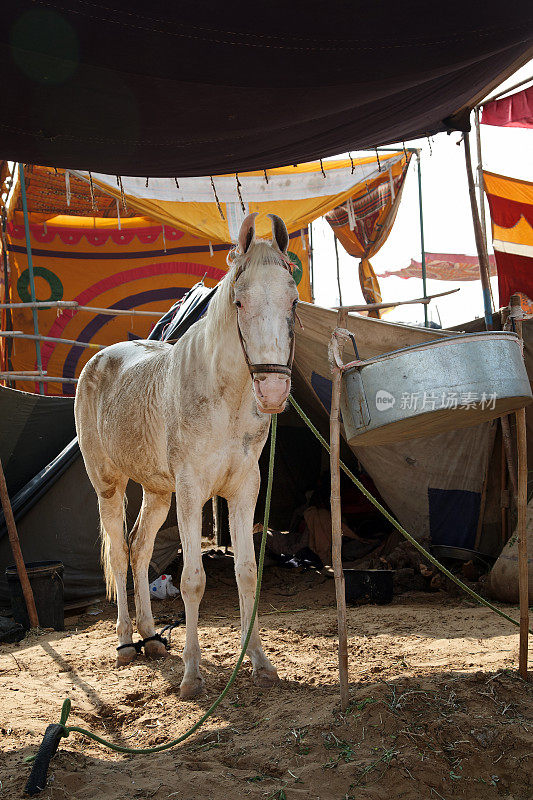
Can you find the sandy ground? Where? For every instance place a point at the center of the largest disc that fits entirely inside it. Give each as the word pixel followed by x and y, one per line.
pixel 437 710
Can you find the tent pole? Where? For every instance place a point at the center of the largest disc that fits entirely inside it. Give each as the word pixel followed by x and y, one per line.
pixel 338 267
pixel 311 263
pixel 30 272
pixel 17 552
pixel 422 243
pixel 523 590
pixel 480 181
pixel 336 523
pixel 481 250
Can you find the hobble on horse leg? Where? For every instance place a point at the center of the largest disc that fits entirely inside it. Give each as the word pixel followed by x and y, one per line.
pixel 241 523
pixel 192 590
pixel 153 513
pixel 111 516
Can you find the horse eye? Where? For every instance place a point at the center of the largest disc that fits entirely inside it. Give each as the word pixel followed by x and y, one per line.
pixel 238 303
pixel 294 303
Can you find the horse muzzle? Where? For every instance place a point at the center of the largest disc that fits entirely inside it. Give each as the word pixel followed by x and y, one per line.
pixel 271 392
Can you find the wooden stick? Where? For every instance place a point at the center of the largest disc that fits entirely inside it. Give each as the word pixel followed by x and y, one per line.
pixel 336 525
pixel 523 589
pixel 17 552
pixel 372 306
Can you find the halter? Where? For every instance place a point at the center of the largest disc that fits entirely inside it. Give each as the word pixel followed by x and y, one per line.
pixel 283 369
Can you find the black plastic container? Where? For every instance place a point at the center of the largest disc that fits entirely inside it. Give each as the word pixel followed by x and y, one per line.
pixel 46 579
pixel 368 586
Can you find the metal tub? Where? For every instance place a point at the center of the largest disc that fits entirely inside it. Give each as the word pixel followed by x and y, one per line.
pixel 434 387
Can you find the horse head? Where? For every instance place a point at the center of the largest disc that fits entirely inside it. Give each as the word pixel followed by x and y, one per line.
pixel 265 297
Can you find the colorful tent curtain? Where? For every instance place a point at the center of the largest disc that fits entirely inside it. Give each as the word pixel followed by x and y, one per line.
pixel 515 111
pixel 215 207
pixel 362 224
pixel 511 210
pixel 443 267
pixel 139 265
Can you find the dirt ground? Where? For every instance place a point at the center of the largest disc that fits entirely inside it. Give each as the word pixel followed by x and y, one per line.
pixel 436 711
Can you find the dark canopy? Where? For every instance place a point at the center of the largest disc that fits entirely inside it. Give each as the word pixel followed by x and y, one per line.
pixel 171 88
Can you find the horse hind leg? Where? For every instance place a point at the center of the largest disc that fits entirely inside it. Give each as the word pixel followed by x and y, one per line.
pixel 153 513
pixel 115 559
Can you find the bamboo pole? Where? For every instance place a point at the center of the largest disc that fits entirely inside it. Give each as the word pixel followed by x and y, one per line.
pixel 336 524
pixel 481 249
pixel 22 335
pixel 422 243
pixel 30 270
pixel 311 263
pixel 71 304
pixel 338 267
pixel 17 552
pixel 17 376
pixel 508 440
pixel 504 495
pixel 523 590
pixel 371 306
pixel 481 193
pixel 480 181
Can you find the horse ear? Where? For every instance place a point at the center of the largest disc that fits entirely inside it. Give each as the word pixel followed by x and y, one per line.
pixel 279 232
pixel 247 232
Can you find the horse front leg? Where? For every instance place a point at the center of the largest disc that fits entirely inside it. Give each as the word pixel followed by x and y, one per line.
pixel 241 520
pixel 189 509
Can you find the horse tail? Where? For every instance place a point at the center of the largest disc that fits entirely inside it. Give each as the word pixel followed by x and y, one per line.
pixel 105 553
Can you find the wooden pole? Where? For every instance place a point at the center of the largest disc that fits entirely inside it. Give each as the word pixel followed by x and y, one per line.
pixel 523 589
pixel 422 244
pixel 71 304
pixel 17 552
pixel 336 524
pixel 481 250
pixel 338 267
pixel 504 495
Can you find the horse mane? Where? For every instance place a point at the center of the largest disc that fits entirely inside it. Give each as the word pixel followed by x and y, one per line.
pixel 220 312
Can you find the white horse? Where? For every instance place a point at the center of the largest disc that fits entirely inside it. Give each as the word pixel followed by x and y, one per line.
pixel 191 418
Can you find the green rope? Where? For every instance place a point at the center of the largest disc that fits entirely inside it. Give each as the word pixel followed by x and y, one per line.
pixel 397 525
pixel 65 711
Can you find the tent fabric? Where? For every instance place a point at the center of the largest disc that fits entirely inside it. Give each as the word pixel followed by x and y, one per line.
pixel 403 472
pixel 210 88
pixel 511 209
pixel 443 267
pixel 39 428
pixel 141 265
pixel 515 111
pixel 215 207
pixel 363 223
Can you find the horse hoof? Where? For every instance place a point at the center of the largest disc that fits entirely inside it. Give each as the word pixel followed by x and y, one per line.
pixel 126 656
pixel 155 649
pixel 188 691
pixel 265 678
